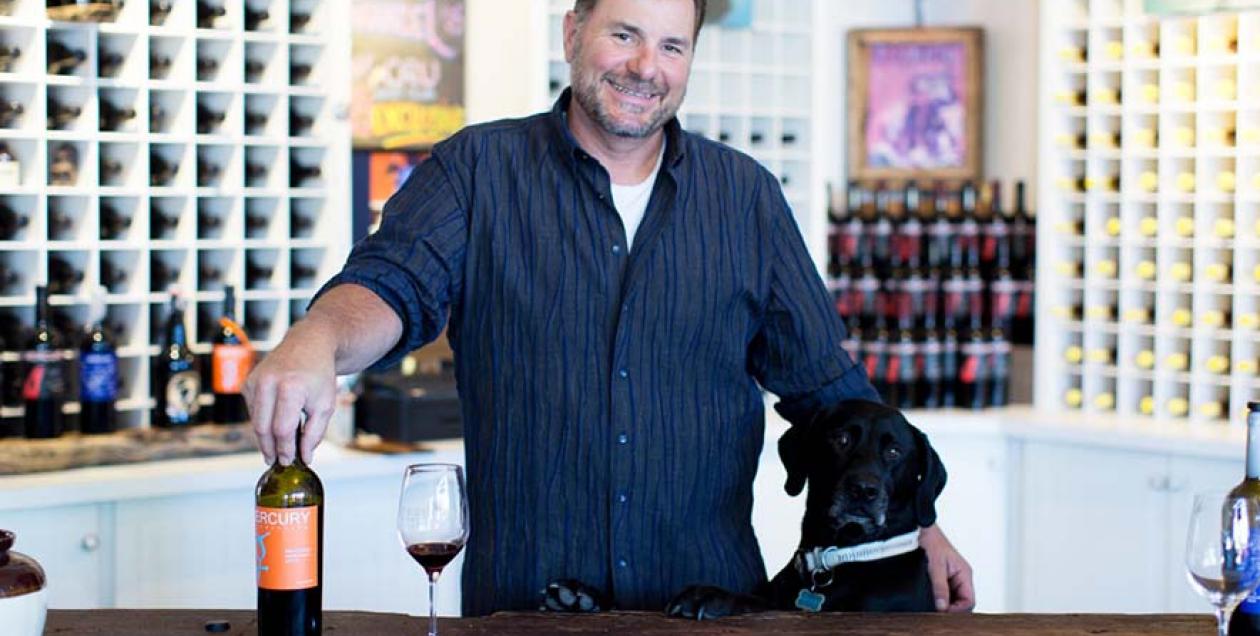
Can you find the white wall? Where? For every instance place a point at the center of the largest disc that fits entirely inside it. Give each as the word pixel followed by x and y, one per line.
pixel 1010 121
pixel 506 60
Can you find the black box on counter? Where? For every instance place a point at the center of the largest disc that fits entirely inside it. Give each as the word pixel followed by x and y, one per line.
pixel 409 408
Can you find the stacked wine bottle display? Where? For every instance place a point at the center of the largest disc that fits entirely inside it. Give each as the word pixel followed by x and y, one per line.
pixel 1150 173
pixel 934 287
pixel 184 144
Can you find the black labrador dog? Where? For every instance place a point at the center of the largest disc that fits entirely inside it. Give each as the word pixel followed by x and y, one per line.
pixel 873 482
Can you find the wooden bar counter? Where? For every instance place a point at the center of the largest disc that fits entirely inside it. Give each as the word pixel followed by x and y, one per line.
pixel 192 622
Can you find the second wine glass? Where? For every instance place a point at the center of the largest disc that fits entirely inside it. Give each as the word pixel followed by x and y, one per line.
pixel 433 521
pixel 1221 551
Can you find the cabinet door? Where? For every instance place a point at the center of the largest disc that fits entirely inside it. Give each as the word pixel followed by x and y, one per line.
pixel 1093 530
pixel 1188 476
pixel 186 552
pixel 972 511
pixel 69 544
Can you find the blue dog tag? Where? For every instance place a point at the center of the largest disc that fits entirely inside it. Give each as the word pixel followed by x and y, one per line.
pixel 810 601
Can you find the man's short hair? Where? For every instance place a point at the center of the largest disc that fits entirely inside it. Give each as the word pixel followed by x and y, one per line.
pixel 583 8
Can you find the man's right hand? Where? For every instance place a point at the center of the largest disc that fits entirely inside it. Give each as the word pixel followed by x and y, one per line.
pixel 298 377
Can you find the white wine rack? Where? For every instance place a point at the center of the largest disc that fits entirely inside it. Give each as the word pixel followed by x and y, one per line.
pixel 229 213
pixel 751 88
pixel 1149 279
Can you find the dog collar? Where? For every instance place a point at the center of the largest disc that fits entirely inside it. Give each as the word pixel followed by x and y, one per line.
pixel 820 560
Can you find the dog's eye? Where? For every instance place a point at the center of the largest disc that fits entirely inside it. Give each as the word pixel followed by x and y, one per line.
pixel 892 453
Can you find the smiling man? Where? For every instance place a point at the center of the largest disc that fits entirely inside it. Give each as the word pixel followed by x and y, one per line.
pixel 618 293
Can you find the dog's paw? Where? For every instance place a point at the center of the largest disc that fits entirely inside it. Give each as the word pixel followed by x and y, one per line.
pixel 708 602
pixel 569 595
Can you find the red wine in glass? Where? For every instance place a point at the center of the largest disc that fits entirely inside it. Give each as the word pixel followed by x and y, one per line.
pixel 433 556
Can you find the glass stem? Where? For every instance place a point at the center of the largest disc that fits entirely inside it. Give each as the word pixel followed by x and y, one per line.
pixel 1222 622
pixel 433 605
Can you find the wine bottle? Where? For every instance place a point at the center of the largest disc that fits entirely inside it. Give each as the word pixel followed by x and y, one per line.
pixel 254 70
pixel 973 374
pixel 1246 618
pixel 208 14
pixel 161 225
pixel 113 117
pixel 255 224
pixel 11 222
pixel 113 222
pixel 111 171
pixel 255 174
pixel 254 17
pixel 1000 370
pixel 161 275
pixel 159 10
pixel 256 322
pixel 298 22
pixel 44 388
pixel 63 59
pixel 300 73
pixel 62 275
pixel 208 222
pixel 178 378
pixel 8 279
pixel 289 535
pixel 9 113
pixel 161 171
pixel 301 274
pixel 108 63
pixel 159 65
pixel 208 119
pixel 112 276
pixel 8 57
pixel 232 357
pixel 207 67
pixel 299 124
pixel 209 275
pixel 61 115
pixel 208 173
pixel 255 122
pixel 98 374
pixel 300 174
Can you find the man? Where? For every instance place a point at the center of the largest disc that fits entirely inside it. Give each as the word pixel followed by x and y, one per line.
pixel 618 292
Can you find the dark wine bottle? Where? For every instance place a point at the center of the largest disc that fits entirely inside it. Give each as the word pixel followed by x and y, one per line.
pixel 161 275
pixel 299 72
pixel 11 222
pixel 161 225
pixel 112 276
pixel 159 10
pixel 44 388
pixel 60 224
pixel 111 171
pixel 63 59
pixel 61 115
pixel 208 14
pixel 113 222
pixel 256 322
pixel 208 223
pixel 159 65
pixel 178 379
pixel 256 174
pixel 98 376
pixel 1246 618
pixel 289 550
pixel 300 225
pixel 298 22
pixel 301 274
pixel 108 63
pixel 10 111
pixel 208 119
pixel 299 174
pixel 207 67
pixel 8 279
pixel 232 358
pixel 63 276
pixel 209 275
pixel 255 17
pixel 8 57
pixel 254 70
pixel 208 173
pixel 299 124
pixel 113 117
pixel 256 224
pixel 255 122
pixel 256 275
pixel 161 171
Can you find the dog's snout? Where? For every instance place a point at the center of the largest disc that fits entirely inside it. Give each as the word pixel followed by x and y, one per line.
pixel 864 488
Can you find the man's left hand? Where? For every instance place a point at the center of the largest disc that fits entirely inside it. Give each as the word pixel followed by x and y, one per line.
pixel 949 571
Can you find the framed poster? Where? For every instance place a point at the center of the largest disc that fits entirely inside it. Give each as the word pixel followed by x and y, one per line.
pixel 915 104
pixel 407 60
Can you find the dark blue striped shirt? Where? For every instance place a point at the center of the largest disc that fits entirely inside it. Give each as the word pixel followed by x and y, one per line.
pixel 612 408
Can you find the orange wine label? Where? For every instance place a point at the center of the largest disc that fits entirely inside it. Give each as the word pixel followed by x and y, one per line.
pixel 287 547
pixel 231 364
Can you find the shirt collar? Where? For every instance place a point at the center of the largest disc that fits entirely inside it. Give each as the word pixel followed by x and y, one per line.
pixel 567 144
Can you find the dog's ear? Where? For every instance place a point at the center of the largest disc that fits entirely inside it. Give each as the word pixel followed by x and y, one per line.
pixel 793 446
pixel 931 476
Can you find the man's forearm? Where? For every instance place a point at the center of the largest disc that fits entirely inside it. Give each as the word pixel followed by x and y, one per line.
pixel 360 326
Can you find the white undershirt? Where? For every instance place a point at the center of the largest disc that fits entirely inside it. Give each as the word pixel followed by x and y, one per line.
pixel 631 200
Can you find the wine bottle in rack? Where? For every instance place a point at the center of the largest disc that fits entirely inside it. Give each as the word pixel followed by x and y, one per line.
pixel 232 357
pixel 111 171
pixel 208 173
pixel 113 117
pixel 63 276
pixel 256 275
pixel 207 68
pixel 973 372
pixel 254 70
pixel 159 10
pixel 301 274
pixel 1069 97
pixel 159 65
pixel 9 56
pixel 44 369
pixel 256 174
pixel 113 222
pixel 300 174
pixel 10 111
pixel 61 115
pixel 178 384
pixel 255 122
pixel 108 63
pixel 1105 401
pixel 300 124
pixel 11 222
pixel 161 171
pixel 256 224
pixel 1177 361
pixel 161 225
pixel 1073 398
pixel 161 275
pixel 1073 53
pixel 208 14
pixel 1217 364
pixel 98 374
pixel 298 21
pixel 208 119
pixel 8 279
pixel 255 17
pixel 1070 141
pixel 12 376
pixel 300 73
pixel 1178 407
pixel 63 59
pixel 1144 360
pixel 256 322
pixel 208 223
pixel 112 276
pixel 64 324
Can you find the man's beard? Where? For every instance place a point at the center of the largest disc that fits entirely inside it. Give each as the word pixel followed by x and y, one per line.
pixel 587 95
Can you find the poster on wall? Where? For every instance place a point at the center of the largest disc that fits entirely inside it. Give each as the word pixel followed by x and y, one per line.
pixel 387 171
pixel 407 59
pixel 915 103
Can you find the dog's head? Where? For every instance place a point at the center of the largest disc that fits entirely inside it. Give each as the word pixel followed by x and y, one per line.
pixel 871 474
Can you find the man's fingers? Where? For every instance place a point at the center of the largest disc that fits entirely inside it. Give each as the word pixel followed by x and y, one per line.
pixel 285 423
pixel 963 589
pixel 940 583
pixel 313 431
pixel 261 407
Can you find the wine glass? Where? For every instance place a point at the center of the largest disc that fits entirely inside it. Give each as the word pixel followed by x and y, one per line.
pixel 1222 551
pixel 433 520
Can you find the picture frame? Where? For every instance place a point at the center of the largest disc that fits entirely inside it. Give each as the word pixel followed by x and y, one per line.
pixel 916 104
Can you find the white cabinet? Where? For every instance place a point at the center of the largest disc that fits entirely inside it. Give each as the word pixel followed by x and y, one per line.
pixel 71 545
pixel 1102 530
pixel 185 551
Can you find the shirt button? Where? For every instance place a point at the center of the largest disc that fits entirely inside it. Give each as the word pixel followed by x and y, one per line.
pixel 623 373
pixel 622 498
pixel 616 249
pixel 621 563
pixel 623 439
